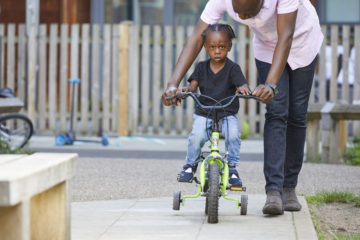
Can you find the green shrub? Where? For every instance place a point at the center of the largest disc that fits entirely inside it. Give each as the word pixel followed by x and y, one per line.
pixel 5 149
pixel 352 154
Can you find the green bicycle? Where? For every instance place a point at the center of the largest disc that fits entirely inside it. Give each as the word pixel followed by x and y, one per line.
pixel 214 169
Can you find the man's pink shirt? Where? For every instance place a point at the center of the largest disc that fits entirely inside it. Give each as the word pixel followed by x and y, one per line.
pixel 307 37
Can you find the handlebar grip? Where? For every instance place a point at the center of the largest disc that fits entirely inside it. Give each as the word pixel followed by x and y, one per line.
pixel 180 95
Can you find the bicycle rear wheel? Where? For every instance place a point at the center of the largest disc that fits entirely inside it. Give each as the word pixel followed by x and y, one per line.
pixel 214 192
pixel 15 130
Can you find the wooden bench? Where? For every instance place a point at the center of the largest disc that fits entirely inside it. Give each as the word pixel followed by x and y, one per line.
pixel 333 139
pixel 35 195
pixel 10 105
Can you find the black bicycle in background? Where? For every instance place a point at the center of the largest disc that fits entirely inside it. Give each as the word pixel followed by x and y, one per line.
pixel 15 129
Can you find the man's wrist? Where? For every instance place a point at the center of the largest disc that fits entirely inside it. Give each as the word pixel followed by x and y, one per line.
pixel 273 87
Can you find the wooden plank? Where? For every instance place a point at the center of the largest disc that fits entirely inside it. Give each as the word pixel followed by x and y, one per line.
pixel 190 105
pixel 134 84
pixel 42 77
pixel 31 73
pixel 9 105
pixel 63 84
pixel 106 79
pixel 252 85
pixel 74 71
pixel 2 55
pixel 52 76
pixel 21 62
pixel 156 89
pixel 114 77
pixel 334 62
pixel 322 68
pixel 85 54
pixel 345 94
pixel 345 112
pixel 11 56
pixel 95 78
pixel 180 31
pixel 145 77
pixel 357 76
pixel 123 128
pixel 345 63
pixel 167 73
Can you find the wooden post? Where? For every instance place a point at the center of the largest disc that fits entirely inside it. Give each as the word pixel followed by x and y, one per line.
pixel 85 43
pixel 330 136
pixel 52 93
pixel 31 73
pixel 312 140
pixel 123 113
pixel 63 76
pixel 156 88
pixel 312 132
pixel 145 77
pixel 42 77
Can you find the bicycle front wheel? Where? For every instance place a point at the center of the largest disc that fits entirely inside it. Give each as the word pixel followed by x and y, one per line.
pixel 213 193
pixel 15 130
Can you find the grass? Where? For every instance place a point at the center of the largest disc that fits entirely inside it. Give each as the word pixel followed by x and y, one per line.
pixel 332 197
pixel 341 236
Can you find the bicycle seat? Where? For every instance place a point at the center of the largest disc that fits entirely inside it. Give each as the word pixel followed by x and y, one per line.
pixel 6 93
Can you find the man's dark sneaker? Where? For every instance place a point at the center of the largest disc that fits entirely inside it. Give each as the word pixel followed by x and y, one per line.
pixel 187 174
pixel 273 204
pixel 234 179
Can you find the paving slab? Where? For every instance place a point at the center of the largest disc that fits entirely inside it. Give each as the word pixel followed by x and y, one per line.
pixel 154 218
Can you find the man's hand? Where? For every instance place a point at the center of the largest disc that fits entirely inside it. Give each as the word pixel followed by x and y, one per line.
pixel 244 90
pixel 169 92
pixel 264 92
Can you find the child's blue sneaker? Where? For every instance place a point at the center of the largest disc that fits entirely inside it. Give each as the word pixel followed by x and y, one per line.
pixel 234 178
pixel 187 174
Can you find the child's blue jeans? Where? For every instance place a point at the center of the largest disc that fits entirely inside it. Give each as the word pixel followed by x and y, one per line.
pixel 201 133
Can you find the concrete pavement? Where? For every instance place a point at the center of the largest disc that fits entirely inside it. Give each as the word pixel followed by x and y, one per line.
pixel 135 206
pixel 155 219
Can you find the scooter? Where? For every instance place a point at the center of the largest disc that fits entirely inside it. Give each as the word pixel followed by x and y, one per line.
pixel 69 138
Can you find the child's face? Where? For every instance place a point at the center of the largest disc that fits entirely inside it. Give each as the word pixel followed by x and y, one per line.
pixel 217 45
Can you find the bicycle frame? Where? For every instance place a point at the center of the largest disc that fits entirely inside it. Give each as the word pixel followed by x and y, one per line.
pixel 214 158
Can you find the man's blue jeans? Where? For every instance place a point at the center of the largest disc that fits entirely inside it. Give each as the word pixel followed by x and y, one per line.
pixel 201 133
pixel 285 125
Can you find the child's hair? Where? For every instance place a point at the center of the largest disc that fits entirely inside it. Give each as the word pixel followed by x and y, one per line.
pixel 219 28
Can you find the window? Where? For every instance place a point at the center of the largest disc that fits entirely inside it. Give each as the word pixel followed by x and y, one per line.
pixel 338 11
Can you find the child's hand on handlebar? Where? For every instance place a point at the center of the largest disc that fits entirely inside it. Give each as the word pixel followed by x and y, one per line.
pixel 244 90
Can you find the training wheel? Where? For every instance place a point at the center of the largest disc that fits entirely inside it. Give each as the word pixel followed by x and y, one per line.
pixel 104 140
pixel 177 200
pixel 244 203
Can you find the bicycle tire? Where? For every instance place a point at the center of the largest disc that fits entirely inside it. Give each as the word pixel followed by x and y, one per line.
pixel 213 194
pixel 15 129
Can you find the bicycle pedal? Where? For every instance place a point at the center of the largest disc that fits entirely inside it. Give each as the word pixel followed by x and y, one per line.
pixel 234 188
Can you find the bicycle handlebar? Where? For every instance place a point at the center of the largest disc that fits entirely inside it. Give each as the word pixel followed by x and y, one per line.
pixel 183 95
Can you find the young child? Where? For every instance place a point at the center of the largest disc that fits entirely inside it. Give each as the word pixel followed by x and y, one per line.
pixel 217 78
